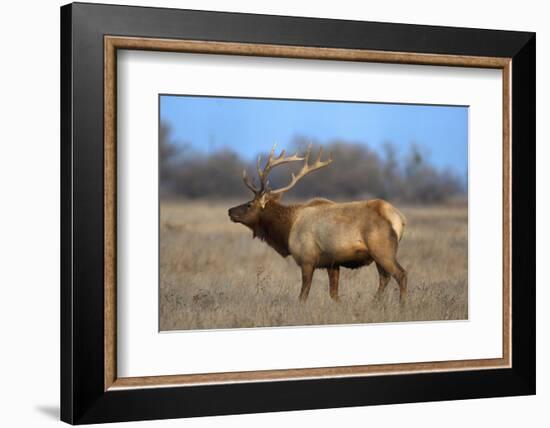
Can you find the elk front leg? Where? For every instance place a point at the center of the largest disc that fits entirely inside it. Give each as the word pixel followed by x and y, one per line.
pixel 333 276
pixel 307 277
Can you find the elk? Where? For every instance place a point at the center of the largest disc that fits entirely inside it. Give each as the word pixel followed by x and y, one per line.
pixel 321 233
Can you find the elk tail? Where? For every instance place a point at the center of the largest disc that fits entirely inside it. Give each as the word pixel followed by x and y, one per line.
pixel 396 218
pixel 401 225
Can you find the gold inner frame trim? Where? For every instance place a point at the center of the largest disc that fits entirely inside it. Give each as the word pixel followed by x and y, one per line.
pixel 113 43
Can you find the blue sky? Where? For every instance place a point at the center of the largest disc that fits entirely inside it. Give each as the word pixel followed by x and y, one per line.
pixel 250 126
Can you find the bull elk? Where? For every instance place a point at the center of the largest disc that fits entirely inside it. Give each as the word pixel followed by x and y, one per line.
pixel 321 233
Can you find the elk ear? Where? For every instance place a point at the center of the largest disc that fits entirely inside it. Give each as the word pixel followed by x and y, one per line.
pixel 268 197
pixel 263 200
pixel 275 197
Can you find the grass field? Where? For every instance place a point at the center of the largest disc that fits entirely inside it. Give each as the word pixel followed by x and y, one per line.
pixel 214 275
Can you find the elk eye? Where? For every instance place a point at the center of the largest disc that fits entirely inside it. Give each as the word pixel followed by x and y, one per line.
pixel 249 205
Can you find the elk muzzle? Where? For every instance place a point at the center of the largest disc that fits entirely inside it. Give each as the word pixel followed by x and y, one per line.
pixel 237 213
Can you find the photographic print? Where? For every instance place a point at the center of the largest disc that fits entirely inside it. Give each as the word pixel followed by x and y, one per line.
pixel 286 212
pixel 301 202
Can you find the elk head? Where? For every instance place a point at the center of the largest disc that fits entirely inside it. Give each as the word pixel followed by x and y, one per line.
pixel 249 213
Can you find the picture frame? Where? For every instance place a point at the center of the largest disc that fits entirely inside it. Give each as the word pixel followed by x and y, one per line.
pixel 91 391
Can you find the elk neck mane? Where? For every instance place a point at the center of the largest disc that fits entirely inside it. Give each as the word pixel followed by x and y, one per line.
pixel 274 225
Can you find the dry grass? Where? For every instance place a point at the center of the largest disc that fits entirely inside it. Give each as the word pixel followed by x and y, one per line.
pixel 214 275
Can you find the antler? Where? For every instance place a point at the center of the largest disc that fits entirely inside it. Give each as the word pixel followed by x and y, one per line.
pixel 263 173
pixel 273 161
pixel 306 169
pixel 249 184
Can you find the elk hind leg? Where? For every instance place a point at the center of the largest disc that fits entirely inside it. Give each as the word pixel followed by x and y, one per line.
pixel 384 277
pixel 333 276
pixel 400 275
pixel 383 252
pixel 307 277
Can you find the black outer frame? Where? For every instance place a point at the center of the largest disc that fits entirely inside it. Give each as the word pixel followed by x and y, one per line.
pixel 83 399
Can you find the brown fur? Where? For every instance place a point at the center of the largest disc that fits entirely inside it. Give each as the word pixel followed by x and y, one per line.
pixel 323 234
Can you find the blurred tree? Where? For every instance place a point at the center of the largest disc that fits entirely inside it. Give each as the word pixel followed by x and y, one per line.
pixel 169 152
pixel 358 172
pixel 218 175
pixel 392 181
pixel 424 182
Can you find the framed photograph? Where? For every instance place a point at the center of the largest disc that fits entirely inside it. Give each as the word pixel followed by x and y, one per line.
pixel 265 213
